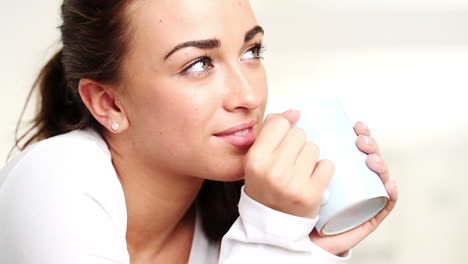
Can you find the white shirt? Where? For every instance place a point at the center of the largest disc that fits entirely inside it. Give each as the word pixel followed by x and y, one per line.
pixel 62 202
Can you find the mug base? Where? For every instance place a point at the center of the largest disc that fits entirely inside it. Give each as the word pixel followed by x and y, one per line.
pixel 353 216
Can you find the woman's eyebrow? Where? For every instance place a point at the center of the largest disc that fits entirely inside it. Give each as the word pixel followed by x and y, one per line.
pixel 213 43
pixel 201 44
pixel 251 33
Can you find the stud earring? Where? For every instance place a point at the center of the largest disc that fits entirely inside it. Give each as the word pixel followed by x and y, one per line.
pixel 115 126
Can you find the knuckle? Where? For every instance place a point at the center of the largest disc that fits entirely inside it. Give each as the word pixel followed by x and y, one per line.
pixel 277 122
pixel 269 182
pixel 300 201
pixel 273 177
pixel 281 122
pixel 292 194
pixel 328 165
pixel 299 133
pixel 276 175
pixel 312 147
pixel 256 165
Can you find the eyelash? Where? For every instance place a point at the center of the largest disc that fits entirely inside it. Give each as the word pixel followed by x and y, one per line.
pixel 258 46
pixel 204 58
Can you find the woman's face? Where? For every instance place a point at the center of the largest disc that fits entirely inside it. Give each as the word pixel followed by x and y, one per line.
pixel 194 88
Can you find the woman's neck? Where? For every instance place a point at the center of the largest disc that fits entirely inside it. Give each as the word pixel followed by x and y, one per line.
pixel 158 203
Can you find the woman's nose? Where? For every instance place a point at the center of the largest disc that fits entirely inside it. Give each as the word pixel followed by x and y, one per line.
pixel 241 91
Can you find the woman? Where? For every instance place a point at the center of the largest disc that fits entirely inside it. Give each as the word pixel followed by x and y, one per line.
pixel 152 113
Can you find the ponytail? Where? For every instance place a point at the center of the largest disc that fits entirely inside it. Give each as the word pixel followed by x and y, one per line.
pixel 60 107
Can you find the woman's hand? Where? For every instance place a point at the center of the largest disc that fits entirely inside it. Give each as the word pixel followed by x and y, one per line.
pixel 281 168
pixel 341 243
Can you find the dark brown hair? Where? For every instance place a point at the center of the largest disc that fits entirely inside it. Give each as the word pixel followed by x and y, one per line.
pixel 95 37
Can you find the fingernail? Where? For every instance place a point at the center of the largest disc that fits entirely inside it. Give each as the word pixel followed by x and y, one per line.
pixel 366 140
pixel 376 157
pixel 364 125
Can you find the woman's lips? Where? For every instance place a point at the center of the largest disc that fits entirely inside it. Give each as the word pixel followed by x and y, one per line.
pixel 240 136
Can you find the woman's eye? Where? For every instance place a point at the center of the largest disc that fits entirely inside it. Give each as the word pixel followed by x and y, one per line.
pixel 254 52
pixel 201 65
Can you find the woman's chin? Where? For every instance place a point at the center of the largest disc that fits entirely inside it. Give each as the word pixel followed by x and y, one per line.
pixel 233 178
pixel 227 175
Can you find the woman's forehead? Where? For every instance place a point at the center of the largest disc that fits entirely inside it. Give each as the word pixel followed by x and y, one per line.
pixel 170 22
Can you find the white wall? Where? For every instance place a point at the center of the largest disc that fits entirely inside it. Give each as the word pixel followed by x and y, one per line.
pixel 401 66
pixel 29 35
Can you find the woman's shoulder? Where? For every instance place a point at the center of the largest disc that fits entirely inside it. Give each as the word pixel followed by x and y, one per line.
pixel 66 154
pixel 66 144
pixel 60 195
pixel 76 161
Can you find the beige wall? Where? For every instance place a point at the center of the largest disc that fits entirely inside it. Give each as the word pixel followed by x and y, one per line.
pixel 401 66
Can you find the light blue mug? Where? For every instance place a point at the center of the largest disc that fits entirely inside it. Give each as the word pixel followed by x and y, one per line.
pixel 355 193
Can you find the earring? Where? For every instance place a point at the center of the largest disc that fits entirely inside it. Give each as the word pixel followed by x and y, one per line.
pixel 115 126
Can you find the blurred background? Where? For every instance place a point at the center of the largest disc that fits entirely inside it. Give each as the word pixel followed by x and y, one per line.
pixel 401 66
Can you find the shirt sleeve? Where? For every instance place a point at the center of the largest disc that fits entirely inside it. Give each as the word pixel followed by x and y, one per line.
pixel 264 235
pixel 59 208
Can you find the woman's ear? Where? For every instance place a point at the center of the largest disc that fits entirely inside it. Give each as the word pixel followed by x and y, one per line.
pixel 103 105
